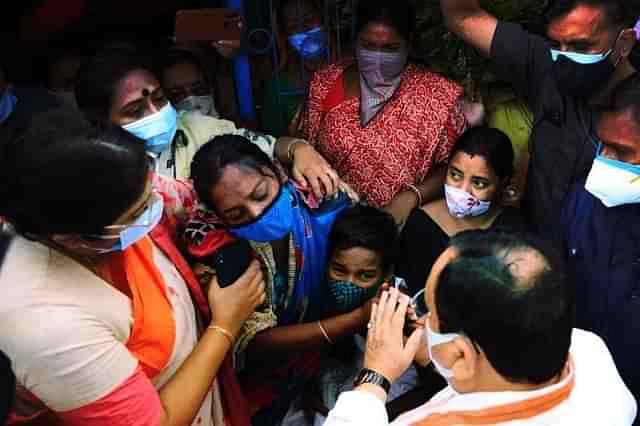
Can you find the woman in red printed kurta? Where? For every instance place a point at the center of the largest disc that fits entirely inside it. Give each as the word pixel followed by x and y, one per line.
pixel 384 125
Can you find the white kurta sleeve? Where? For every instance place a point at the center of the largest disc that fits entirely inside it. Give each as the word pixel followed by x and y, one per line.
pixel 358 408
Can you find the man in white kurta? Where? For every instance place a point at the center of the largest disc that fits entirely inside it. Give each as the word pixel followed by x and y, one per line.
pixel 586 389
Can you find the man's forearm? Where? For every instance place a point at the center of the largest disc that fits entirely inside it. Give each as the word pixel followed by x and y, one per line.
pixel 455 11
pixel 469 21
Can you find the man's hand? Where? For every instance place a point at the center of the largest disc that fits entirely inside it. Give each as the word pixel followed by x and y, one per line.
pixel 387 353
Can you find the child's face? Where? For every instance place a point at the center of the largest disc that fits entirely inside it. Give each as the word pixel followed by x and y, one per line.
pixel 359 265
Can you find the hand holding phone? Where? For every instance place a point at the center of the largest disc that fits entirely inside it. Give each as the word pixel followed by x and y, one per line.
pixel 198 25
pixel 231 261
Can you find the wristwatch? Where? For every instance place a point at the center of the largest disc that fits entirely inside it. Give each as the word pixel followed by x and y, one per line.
pixel 373 377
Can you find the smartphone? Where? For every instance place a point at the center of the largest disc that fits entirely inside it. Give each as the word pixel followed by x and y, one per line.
pixel 208 25
pixel 231 261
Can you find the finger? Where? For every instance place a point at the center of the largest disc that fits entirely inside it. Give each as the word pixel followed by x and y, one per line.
pixel 413 344
pixel 250 274
pixel 400 314
pixel 383 287
pixel 327 182
pixel 299 177
pixel 315 186
pixel 390 307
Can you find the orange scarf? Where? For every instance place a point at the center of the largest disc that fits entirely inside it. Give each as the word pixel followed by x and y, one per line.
pixel 154 331
pixel 503 413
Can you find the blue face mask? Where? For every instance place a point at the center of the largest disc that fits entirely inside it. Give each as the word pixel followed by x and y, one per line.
pixel 131 234
pixel 157 129
pixel 7 103
pixel 580 58
pixel 273 224
pixel 310 43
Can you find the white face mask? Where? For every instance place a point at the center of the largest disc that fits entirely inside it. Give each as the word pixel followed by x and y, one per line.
pixel 434 339
pixel 462 204
pixel 203 104
pixel 614 182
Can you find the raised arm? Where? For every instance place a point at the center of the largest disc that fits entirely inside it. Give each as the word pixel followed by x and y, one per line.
pixel 470 22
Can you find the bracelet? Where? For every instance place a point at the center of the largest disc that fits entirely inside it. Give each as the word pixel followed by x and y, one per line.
pixel 224 332
pixel 416 191
pixel 291 145
pixel 324 333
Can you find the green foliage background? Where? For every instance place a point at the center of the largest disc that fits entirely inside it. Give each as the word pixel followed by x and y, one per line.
pixel 450 56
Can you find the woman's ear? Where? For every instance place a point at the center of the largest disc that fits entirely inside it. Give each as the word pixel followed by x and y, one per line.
pixel 465 367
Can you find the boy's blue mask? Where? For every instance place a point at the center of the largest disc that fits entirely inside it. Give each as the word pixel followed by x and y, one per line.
pixel 347 296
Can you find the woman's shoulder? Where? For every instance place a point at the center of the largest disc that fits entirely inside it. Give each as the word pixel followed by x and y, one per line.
pixel 331 71
pixel 421 78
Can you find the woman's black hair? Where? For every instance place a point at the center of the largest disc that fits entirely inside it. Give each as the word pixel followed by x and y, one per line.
pixel 366 227
pixel 64 175
pixel 99 76
pixel 492 145
pixel 398 14
pixel 279 7
pixel 175 56
pixel 226 150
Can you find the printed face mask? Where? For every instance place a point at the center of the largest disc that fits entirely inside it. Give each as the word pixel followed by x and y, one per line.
pixel 434 339
pixel 203 104
pixel 461 204
pixel 309 44
pixel 157 129
pixel 274 223
pixel 614 182
pixel 131 234
pixel 348 296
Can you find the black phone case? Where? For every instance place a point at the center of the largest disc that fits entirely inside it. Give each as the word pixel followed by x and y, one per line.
pixel 231 261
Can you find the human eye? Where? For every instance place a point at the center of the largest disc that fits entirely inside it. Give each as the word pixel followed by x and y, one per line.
pixel 455 174
pixel 480 183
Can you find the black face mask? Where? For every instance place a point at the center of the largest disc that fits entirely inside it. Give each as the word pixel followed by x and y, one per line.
pixel 581 80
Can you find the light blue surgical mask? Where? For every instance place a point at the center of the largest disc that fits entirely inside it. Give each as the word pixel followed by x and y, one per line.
pixel 7 103
pixel 614 182
pixel 131 234
pixel 274 223
pixel 580 58
pixel 310 43
pixel 157 129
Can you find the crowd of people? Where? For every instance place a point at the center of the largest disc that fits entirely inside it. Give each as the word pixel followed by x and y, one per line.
pixel 357 260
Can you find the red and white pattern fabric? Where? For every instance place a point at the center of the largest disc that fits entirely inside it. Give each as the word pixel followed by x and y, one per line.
pixel 412 133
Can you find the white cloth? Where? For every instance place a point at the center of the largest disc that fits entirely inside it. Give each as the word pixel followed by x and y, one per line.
pixel 599 396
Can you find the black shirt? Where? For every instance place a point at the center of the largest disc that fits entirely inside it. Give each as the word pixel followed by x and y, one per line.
pixel 422 241
pixel 561 145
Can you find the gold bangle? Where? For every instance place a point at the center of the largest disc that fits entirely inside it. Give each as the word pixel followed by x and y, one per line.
pixel 224 332
pixel 324 333
pixel 290 148
pixel 416 191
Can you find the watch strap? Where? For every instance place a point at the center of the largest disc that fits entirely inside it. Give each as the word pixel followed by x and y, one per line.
pixel 367 375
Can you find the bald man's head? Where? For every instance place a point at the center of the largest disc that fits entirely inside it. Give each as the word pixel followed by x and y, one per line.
pixel 508 293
